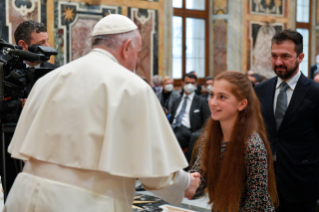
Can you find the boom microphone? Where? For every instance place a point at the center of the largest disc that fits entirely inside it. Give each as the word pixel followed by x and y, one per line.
pixel 28 56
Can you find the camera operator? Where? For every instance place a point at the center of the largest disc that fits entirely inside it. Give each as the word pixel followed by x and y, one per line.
pixel 28 33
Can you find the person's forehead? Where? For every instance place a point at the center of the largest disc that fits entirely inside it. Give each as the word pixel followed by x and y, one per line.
pixel 222 86
pixel 252 77
pixel 39 36
pixel 189 79
pixel 283 47
pixel 209 81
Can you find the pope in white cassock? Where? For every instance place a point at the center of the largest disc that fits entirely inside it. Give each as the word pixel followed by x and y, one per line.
pixel 90 128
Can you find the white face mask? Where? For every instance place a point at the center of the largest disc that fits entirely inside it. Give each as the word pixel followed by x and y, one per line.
pixel 189 88
pixel 209 88
pixel 317 60
pixel 169 87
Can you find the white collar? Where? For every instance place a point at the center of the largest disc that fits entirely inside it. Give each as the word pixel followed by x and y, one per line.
pixel 37 66
pixel 107 53
pixel 190 96
pixel 292 82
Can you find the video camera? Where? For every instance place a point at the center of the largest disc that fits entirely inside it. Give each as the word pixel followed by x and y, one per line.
pixel 16 80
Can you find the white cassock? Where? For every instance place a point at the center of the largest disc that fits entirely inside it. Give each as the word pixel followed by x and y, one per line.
pixel 87 131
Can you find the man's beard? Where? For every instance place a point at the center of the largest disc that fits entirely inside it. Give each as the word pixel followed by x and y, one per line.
pixel 288 73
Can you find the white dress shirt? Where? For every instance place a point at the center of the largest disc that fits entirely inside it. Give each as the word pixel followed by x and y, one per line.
pixel 185 118
pixel 291 83
pixel 37 66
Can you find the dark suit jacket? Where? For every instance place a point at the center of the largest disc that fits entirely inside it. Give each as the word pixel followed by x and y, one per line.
pixel 36 76
pixel 296 143
pixel 49 65
pixel 205 96
pixel 199 112
pixel 312 70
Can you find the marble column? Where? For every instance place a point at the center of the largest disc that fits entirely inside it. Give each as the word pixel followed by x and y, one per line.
pixel 235 38
pixel 168 19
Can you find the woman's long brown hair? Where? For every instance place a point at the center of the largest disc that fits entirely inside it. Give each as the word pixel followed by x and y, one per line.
pixel 226 177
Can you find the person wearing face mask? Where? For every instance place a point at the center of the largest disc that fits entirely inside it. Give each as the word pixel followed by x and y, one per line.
pixel 168 95
pixel 208 87
pixel 314 68
pixel 189 112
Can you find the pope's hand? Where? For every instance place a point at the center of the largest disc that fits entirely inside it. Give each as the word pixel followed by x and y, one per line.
pixel 195 182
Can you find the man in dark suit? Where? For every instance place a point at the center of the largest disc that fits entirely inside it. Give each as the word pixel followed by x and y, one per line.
pixel 189 112
pixel 29 33
pixel 314 68
pixel 290 108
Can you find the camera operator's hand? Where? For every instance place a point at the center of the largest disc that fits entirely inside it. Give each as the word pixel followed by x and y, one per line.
pixel 195 182
pixel 23 102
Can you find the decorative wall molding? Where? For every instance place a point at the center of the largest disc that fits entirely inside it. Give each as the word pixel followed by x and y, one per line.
pixel 14 12
pixel 76 20
pixel 147 22
pixel 267 7
pixel 220 7
pixel 259 53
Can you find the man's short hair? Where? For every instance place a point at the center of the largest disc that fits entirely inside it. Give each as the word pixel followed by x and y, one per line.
pixel 208 78
pixel 189 75
pixel 289 34
pixel 157 79
pixel 24 30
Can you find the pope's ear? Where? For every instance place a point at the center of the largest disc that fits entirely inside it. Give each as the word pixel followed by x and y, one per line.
pixel 23 44
pixel 126 47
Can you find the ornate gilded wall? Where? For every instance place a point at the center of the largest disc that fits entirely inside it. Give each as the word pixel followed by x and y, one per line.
pixel 70 23
pixel 262 18
pixel 240 30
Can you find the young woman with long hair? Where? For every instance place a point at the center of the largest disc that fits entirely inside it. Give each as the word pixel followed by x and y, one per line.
pixel 234 154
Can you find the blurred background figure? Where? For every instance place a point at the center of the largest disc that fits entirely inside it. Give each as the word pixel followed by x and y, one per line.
pixel 316 76
pixel 168 95
pixel 157 84
pixel 208 87
pixel 189 114
pixel 314 68
pixel 153 88
pixel 198 90
pixel 255 78
pixel 249 72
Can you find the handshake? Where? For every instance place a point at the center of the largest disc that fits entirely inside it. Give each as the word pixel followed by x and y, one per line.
pixel 194 184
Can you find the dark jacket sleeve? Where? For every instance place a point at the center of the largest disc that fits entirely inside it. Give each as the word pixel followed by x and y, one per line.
pixel 205 111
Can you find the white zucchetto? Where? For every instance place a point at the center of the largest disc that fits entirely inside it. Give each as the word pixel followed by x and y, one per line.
pixel 113 24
